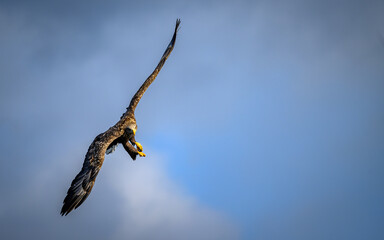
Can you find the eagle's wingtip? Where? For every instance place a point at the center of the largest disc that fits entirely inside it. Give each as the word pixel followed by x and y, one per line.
pixel 62 213
pixel 178 21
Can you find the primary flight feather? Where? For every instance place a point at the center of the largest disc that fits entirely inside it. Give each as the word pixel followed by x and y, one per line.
pixel 123 132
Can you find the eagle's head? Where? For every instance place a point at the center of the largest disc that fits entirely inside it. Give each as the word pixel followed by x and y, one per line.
pixel 132 127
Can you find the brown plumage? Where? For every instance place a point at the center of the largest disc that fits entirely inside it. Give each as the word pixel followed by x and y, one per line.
pixel 122 132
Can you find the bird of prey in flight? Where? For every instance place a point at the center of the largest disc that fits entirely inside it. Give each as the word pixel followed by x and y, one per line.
pixel 123 132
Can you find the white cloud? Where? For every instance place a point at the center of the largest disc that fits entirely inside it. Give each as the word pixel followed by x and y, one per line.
pixel 155 207
pixel 131 200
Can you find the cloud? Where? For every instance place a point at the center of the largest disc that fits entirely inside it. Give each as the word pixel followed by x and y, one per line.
pixel 155 207
pixel 131 200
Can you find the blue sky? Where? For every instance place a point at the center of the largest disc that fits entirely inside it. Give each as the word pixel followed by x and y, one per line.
pixel 266 121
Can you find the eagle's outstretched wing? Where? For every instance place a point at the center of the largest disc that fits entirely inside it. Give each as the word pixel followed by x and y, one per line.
pixel 82 184
pixel 136 98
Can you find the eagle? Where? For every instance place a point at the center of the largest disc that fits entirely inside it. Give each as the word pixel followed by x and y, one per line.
pixel 123 132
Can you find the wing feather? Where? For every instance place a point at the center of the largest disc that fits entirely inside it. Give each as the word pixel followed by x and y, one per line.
pixel 111 148
pixel 83 183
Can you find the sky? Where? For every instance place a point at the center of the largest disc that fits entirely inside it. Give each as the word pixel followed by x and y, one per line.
pixel 266 122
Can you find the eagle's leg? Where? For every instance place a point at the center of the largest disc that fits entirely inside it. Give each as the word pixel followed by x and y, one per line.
pixel 138 145
pixel 131 150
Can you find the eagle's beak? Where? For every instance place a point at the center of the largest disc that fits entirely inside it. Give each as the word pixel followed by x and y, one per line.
pixel 134 131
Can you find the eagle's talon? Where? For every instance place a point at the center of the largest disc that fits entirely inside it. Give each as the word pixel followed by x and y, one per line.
pixel 139 147
pixel 141 154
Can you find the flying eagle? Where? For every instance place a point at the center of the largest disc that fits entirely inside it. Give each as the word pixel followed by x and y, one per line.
pixel 123 132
